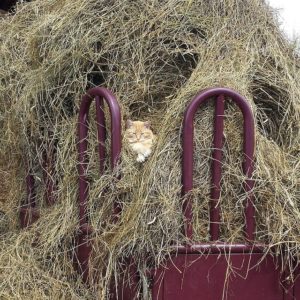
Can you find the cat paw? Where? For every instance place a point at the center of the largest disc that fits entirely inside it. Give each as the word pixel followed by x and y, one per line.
pixel 147 153
pixel 140 158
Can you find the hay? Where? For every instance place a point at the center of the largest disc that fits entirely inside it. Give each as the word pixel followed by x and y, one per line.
pixel 155 56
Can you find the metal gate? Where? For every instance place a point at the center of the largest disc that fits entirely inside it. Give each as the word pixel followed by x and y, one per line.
pixel 209 271
pixel 29 212
pixel 84 241
pixel 214 270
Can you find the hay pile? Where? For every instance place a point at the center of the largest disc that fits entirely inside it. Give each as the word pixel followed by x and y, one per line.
pixel 155 56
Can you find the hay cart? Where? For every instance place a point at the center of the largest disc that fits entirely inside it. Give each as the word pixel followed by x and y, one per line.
pixel 211 271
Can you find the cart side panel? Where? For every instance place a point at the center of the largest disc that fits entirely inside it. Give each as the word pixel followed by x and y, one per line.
pixel 218 277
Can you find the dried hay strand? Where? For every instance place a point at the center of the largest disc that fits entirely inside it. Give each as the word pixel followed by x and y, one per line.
pixel 155 56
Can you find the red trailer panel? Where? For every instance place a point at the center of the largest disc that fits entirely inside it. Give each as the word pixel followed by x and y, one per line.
pixel 217 271
pixel 214 277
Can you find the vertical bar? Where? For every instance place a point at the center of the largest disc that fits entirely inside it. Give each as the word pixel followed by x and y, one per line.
pixel 28 212
pixel 101 129
pixel 84 242
pixel 115 146
pixel 82 145
pixel 30 201
pixel 187 170
pixel 216 168
pixel 83 161
pixel 287 279
pixel 249 145
pixel 48 173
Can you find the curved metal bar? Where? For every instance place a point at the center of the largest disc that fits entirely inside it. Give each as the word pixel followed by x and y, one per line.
pixel 84 241
pixel 101 132
pixel 114 109
pixel 187 163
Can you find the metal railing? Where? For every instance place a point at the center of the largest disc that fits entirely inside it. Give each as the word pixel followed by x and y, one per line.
pixel 84 242
pixel 188 158
pixel 29 213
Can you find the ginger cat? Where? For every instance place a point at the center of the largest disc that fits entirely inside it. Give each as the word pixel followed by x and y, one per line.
pixel 140 138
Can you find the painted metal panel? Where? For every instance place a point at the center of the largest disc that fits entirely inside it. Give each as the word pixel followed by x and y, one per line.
pixel 219 271
pixel 297 286
pixel 218 277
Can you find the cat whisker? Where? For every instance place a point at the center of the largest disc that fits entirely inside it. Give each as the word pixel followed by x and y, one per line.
pixel 151 222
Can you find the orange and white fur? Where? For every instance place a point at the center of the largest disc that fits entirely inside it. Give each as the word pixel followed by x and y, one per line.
pixel 140 138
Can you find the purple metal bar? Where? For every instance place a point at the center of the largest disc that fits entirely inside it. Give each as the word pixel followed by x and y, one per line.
pixel 30 190
pixel 84 249
pixel 101 132
pixel 28 211
pixel 48 174
pixel 217 168
pixel 84 241
pixel 215 248
pixel 83 133
pixel 187 164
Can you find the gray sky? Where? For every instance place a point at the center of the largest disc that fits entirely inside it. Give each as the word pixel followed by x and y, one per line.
pixel 289 16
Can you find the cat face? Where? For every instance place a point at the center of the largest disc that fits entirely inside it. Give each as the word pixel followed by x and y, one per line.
pixel 138 132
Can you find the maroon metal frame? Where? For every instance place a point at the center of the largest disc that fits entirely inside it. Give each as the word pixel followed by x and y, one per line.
pixel 48 165
pixel 189 253
pixel 188 158
pixel 251 276
pixel 84 242
pixel 186 274
pixel 29 213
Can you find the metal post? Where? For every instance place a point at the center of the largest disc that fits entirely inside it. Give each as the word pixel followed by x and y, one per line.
pixel 217 168
pixel 28 211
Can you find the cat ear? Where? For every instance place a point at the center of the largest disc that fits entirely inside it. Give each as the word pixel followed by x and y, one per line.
pixel 147 124
pixel 129 123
